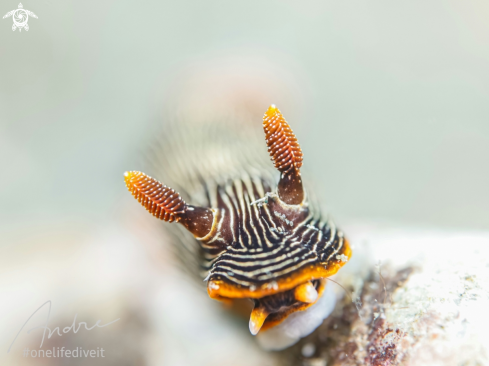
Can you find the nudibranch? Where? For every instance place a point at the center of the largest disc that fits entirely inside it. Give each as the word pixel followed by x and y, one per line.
pixel 257 239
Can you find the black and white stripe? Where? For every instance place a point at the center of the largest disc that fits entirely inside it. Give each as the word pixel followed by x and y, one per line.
pixel 224 164
pixel 265 246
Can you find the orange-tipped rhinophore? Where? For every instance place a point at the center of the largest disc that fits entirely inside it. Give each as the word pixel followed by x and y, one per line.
pixel 166 204
pixel 286 154
pixel 281 141
pixel 161 201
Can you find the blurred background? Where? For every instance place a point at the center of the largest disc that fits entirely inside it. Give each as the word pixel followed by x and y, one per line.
pixel 389 100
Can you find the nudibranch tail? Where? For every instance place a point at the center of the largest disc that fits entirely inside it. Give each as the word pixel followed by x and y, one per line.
pixel 166 204
pixel 286 154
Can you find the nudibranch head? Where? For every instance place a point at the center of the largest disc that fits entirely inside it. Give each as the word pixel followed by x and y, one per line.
pixel 278 258
pixel 266 245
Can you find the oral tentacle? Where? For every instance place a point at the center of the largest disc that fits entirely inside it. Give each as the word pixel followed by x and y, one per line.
pixel 257 318
pixel 306 293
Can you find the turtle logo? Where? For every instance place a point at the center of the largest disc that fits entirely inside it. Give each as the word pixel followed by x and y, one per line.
pixel 20 17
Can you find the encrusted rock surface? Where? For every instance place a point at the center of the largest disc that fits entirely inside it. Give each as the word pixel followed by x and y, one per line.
pixel 420 298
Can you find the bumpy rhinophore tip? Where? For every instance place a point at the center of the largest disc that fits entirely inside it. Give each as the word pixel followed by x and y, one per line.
pixel 166 204
pixel 161 201
pixel 281 141
pixel 285 153
pixel 272 110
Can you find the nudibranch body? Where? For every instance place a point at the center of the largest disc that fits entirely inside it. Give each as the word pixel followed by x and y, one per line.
pixel 258 240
